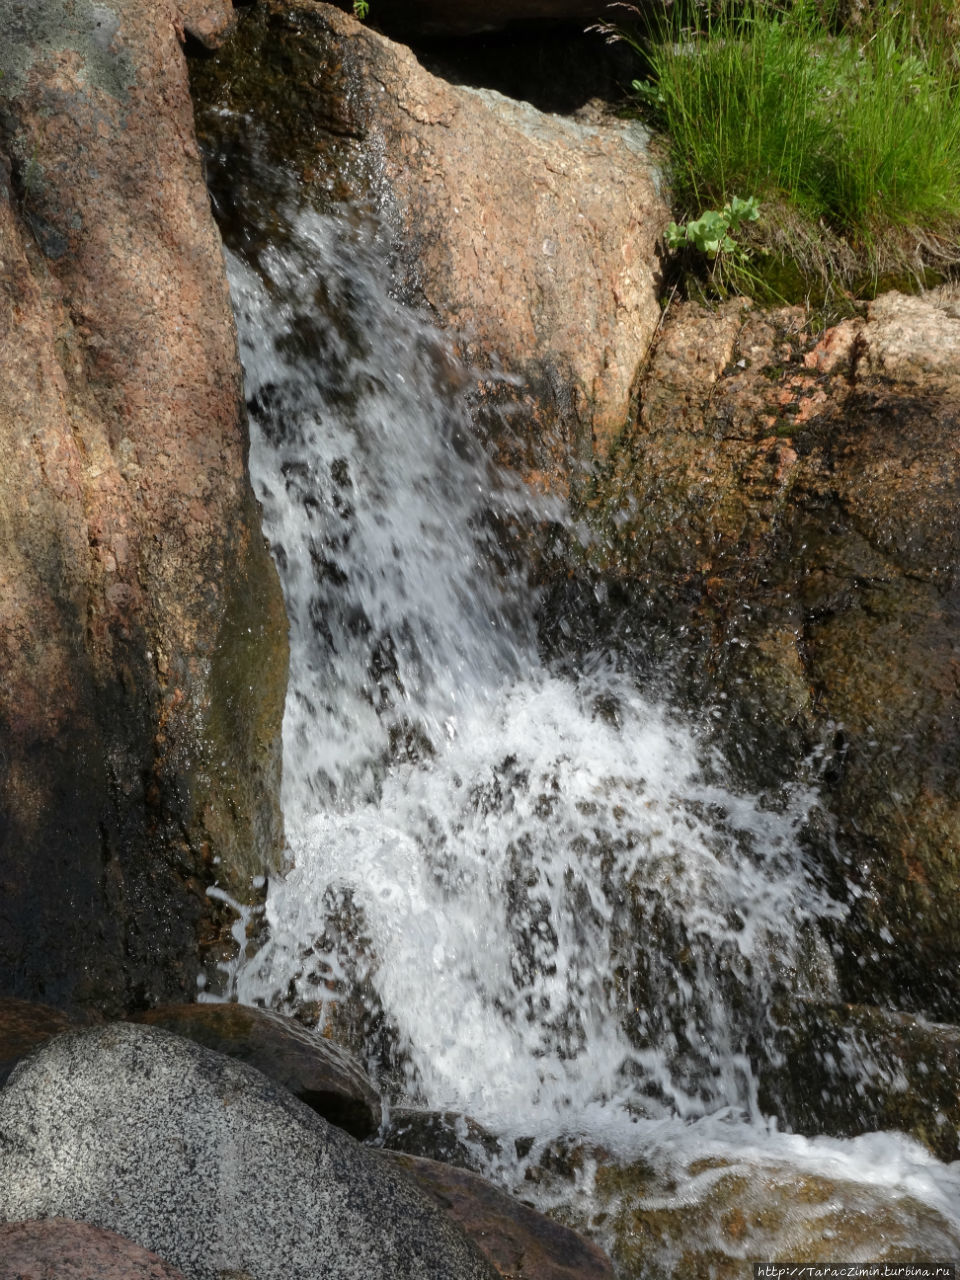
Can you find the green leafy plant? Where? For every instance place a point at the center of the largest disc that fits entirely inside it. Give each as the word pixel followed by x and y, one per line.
pixel 714 231
pixel 361 9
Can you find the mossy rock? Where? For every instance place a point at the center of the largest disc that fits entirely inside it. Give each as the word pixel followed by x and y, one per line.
pixel 242 757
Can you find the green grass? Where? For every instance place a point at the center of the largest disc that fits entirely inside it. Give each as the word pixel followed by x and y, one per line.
pixel 848 134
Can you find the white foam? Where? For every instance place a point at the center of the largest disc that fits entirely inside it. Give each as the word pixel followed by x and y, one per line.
pixel 570 925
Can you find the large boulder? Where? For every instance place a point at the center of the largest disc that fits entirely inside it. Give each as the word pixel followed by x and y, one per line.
pixel 142 631
pixel 786 512
pixel 533 237
pixel 211 1166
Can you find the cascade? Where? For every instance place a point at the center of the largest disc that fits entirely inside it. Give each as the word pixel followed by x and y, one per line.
pixel 527 893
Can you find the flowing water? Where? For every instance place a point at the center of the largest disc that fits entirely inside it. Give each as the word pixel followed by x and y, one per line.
pixel 526 893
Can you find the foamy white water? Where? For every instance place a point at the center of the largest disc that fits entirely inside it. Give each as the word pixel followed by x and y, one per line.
pixel 559 921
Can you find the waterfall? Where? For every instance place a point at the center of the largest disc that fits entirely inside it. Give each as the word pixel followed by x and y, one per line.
pixel 525 893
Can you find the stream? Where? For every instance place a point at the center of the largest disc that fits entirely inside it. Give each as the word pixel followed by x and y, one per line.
pixel 524 888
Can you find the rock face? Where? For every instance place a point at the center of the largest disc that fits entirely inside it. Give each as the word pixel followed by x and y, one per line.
pixel 57 1249
pixel 440 1136
pixel 142 633
pixel 790 504
pixel 314 1069
pixel 533 237
pixel 208 1164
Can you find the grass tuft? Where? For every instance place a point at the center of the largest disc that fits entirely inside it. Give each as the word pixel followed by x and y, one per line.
pixel 844 122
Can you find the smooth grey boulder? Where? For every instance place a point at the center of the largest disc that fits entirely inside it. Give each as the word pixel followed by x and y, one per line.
pixel 317 1071
pixel 208 1164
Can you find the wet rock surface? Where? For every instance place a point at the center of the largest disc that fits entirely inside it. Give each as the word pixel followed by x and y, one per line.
pixel 142 632
pixel 852 1069
pixel 440 1136
pixel 57 1249
pixel 533 237
pixel 787 504
pixel 785 514
pixel 732 1214
pixel 521 1243
pixel 210 1165
pixel 312 1068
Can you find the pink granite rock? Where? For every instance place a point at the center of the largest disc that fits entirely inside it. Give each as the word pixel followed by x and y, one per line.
pixel 142 633
pixel 209 21
pixel 57 1249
